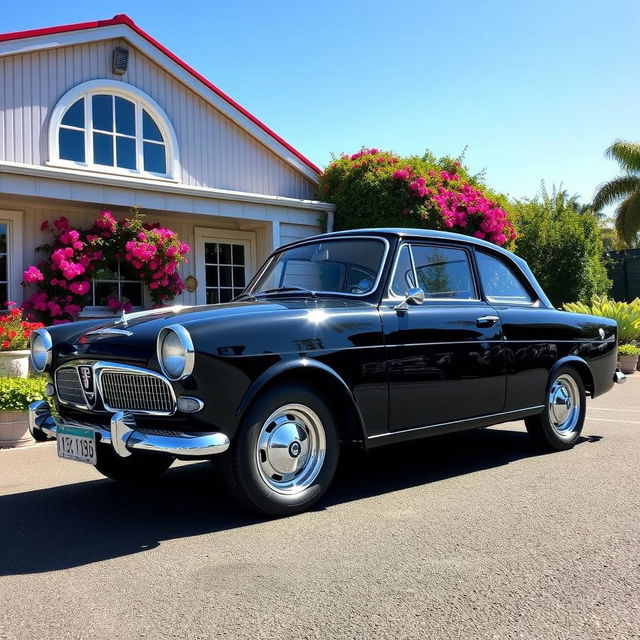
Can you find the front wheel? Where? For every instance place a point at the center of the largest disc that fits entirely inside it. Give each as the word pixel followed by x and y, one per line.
pixel 138 468
pixel 285 453
pixel 559 426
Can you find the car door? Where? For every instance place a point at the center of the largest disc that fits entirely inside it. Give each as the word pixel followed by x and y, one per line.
pixel 445 356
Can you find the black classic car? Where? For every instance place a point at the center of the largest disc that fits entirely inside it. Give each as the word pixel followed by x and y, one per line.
pixel 370 336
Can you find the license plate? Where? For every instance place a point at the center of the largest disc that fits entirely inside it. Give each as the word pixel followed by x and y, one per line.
pixel 75 443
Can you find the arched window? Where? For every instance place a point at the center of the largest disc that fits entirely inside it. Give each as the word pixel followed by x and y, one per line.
pixel 110 126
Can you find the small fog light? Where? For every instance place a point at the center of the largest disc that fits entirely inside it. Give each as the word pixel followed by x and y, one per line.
pixel 186 404
pixel 49 390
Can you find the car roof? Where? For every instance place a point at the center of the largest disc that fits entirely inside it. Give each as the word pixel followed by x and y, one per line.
pixel 422 234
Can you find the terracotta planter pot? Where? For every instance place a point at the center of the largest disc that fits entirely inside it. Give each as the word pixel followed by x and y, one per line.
pixel 14 363
pixel 628 364
pixel 14 429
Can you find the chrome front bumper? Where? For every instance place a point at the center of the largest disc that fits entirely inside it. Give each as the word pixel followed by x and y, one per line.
pixel 125 436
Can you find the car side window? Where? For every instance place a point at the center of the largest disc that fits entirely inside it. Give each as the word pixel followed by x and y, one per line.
pixel 403 278
pixel 500 283
pixel 444 272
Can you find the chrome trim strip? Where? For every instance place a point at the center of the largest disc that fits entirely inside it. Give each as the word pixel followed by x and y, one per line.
pixel 127 438
pixel 319 240
pixel 444 424
pixel 110 331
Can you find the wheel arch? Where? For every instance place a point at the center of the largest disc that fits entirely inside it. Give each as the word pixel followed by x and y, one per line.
pixel 317 375
pixel 580 365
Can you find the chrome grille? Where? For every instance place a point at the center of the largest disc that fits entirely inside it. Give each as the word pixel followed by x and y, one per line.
pixel 123 391
pixel 69 386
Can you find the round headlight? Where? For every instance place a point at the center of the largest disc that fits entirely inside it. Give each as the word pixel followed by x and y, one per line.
pixel 41 345
pixel 175 352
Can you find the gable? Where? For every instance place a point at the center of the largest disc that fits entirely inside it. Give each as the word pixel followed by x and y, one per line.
pixel 215 151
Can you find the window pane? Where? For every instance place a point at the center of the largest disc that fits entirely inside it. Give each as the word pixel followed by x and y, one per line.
pixel 125 117
pixel 211 252
pixel 212 296
pixel 126 152
pixel 103 149
pixel 104 291
pixel 444 273
pixel 3 294
pixel 238 277
pixel 150 129
pixel 226 295
pixel 74 116
pixel 212 276
pixel 3 268
pixel 3 242
pixel 403 277
pixel 103 112
pixel 238 254
pixel 225 276
pixel 500 282
pixel 225 254
pixel 133 292
pixel 154 160
pixel 71 145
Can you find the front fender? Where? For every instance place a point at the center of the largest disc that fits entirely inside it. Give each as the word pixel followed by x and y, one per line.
pixel 580 365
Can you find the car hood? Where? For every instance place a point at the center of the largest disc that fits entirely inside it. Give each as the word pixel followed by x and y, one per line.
pixel 136 334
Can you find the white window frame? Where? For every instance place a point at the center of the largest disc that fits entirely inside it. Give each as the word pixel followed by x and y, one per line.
pixel 15 266
pixel 128 92
pixel 224 236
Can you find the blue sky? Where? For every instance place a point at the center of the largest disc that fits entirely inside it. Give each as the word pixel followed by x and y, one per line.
pixel 536 89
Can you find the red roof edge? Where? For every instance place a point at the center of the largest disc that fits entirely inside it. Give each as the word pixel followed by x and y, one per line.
pixel 122 18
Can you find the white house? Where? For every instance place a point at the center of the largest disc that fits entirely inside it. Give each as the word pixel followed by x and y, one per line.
pixel 100 115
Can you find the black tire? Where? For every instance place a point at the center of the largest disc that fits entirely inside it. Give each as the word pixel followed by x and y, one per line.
pixel 243 465
pixel 137 469
pixel 543 429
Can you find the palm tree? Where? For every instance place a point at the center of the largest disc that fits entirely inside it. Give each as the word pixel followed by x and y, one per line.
pixel 625 188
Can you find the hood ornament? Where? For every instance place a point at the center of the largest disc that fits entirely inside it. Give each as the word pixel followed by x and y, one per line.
pixel 123 318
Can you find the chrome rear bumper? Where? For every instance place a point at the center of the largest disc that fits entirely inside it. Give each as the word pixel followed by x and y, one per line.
pixel 125 436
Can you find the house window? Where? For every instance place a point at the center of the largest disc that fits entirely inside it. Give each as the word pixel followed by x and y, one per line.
pixel 112 127
pixel 225 266
pixel 120 281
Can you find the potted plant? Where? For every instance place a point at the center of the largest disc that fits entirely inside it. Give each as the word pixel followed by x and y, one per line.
pixel 14 341
pixel 628 357
pixel 16 394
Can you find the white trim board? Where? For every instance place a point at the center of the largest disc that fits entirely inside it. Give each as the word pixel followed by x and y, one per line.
pixel 38 177
pixel 25 45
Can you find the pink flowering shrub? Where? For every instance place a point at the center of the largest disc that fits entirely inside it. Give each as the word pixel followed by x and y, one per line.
pixel 75 257
pixel 374 188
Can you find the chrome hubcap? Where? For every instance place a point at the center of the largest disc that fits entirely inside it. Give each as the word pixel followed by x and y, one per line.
pixel 290 449
pixel 564 405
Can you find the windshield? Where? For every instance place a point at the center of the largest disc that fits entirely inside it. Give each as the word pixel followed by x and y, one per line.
pixel 349 265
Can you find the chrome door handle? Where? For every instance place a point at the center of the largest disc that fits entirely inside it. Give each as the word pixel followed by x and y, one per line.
pixel 487 321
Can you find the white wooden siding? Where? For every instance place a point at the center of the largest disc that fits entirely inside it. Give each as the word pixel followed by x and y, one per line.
pixel 214 151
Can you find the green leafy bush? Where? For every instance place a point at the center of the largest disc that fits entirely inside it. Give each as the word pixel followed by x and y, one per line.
pixel 628 350
pixel 16 394
pixel 374 188
pixel 562 246
pixel 626 314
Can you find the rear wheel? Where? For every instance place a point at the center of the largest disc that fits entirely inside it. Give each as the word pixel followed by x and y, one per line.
pixel 285 453
pixel 560 424
pixel 138 468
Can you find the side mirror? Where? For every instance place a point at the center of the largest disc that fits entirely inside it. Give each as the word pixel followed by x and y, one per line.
pixel 412 297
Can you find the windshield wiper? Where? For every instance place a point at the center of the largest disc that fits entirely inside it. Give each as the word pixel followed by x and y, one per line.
pixel 283 290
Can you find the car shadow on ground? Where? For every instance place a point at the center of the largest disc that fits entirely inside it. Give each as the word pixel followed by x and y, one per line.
pixel 76 524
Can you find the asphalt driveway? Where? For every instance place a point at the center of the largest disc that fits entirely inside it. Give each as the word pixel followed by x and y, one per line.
pixel 472 535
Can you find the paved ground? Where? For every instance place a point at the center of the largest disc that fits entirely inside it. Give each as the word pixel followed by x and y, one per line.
pixel 468 536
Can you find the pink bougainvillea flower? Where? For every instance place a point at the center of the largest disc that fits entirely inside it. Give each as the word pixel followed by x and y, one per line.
pixel 33 274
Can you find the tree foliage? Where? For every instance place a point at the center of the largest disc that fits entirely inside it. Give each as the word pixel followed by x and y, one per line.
pixel 562 246
pixel 624 190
